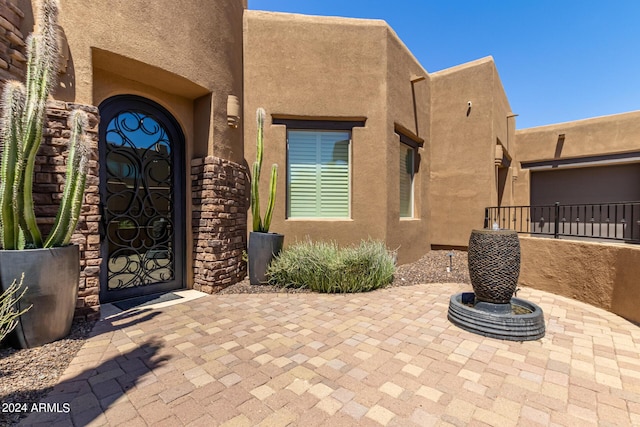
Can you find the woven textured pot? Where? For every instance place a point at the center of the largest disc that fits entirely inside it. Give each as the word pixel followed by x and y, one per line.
pixel 494 264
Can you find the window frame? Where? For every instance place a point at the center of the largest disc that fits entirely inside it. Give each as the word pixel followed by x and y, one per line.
pixel 413 145
pixel 404 149
pixel 349 176
pixel 325 125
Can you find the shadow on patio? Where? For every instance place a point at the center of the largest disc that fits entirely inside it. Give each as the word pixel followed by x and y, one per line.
pixel 96 379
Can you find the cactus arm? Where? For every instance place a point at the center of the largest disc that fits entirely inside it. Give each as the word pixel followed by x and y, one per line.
pixel 39 82
pixel 31 79
pixel 69 209
pixel 42 54
pixel 260 140
pixel 71 177
pixel 257 166
pixel 10 167
pixel 258 225
pixel 17 235
pixel 64 211
pixel 40 79
pixel 255 199
pixel 76 207
pixel 272 198
pixel 29 223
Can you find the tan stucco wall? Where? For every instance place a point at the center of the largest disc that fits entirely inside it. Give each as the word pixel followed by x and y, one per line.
pixel 409 235
pixel 618 133
pixel 307 67
pixel 187 58
pixel 601 274
pixel 522 188
pixel 600 136
pixel 463 141
pixel 504 124
pixel 187 51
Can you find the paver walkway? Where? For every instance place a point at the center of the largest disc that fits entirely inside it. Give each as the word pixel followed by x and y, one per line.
pixel 388 357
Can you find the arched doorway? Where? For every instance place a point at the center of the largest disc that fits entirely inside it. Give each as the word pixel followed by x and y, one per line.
pixel 142 199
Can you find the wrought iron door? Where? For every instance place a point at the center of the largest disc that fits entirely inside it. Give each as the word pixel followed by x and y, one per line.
pixel 142 206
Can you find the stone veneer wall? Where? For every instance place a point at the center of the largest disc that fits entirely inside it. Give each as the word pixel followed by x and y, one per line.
pixel 219 223
pixel 47 191
pixel 12 45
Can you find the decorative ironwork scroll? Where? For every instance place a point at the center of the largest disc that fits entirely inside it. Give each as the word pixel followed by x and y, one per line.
pixel 139 209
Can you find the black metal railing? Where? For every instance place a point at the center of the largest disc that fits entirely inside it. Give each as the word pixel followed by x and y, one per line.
pixel 609 221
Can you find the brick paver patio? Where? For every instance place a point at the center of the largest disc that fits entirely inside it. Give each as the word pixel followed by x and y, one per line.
pixel 388 358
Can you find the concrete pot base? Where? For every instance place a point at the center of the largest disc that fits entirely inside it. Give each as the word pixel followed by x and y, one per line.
pixel 518 320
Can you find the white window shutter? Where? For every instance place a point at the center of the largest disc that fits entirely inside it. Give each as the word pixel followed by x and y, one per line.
pixel 406 181
pixel 318 174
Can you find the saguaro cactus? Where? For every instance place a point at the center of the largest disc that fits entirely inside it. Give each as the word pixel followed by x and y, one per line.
pixel 22 122
pixel 258 225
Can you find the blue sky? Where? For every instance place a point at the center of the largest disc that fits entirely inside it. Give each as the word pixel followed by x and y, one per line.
pixel 559 60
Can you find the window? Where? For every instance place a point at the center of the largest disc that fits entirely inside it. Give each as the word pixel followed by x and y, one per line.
pixel 319 166
pixel 408 168
pixel 318 182
pixel 407 172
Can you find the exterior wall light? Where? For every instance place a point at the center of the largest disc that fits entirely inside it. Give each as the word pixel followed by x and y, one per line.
pixel 233 111
pixel 499 155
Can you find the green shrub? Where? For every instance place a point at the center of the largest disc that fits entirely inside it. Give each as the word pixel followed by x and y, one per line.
pixel 324 267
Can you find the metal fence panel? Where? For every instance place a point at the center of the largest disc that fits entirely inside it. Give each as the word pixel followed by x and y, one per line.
pixel 606 221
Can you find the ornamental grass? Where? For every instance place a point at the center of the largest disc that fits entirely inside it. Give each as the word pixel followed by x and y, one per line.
pixel 325 267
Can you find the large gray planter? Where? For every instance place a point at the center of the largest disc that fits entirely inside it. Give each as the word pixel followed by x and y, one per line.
pixel 51 276
pixel 263 247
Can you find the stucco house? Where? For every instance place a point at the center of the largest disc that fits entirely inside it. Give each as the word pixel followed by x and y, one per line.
pixel 368 142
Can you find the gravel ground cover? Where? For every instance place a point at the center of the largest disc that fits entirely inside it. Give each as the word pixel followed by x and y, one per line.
pixel 431 268
pixel 27 375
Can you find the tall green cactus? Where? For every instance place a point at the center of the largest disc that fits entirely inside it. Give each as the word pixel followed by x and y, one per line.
pixel 258 225
pixel 22 122
pixel 76 176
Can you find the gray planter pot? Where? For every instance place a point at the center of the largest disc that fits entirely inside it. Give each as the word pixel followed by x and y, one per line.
pixel 52 277
pixel 263 247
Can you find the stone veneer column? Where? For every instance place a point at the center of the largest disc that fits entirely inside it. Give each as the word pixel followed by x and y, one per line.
pixel 47 191
pixel 219 223
pixel 12 45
